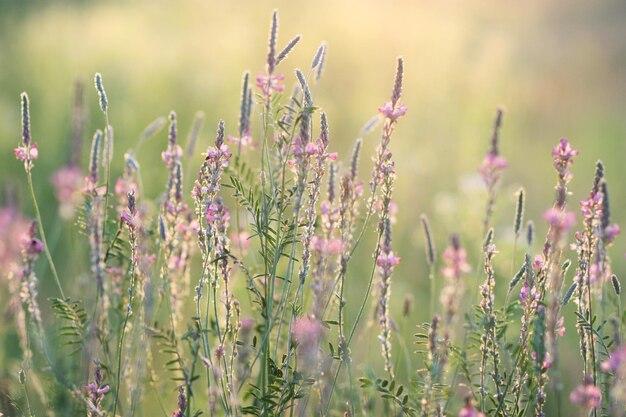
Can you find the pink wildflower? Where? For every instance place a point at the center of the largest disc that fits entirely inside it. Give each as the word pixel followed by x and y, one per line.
pixel 563 156
pixel 611 232
pixel 326 247
pixel 469 410
pixel 267 84
pixel 492 167
pixel 558 219
pixel 392 112
pixel 211 213
pixel 129 219
pixel 307 332
pixel 592 206
pixel 616 362
pixel 455 260
pixel 68 182
pixel 387 260
pixel 171 154
pixel 221 154
pixel 240 240
pixel 14 227
pixel 244 141
pixel 182 403
pixel 26 153
pixel 587 395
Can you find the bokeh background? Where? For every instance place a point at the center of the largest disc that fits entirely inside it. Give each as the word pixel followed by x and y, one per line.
pixel 557 67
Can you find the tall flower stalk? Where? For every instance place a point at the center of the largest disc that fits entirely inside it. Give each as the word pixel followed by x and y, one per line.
pixel 27 152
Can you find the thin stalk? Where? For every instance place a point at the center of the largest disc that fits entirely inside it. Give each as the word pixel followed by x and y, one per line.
pixel 43 234
pixel 120 346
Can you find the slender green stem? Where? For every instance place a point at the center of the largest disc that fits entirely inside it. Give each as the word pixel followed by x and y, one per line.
pixel 43 234
pixel 120 346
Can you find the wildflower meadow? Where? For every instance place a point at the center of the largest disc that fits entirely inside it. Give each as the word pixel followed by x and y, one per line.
pixel 264 274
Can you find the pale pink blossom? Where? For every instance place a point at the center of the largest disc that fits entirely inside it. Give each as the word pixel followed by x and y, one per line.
pixel 26 153
pixel 491 168
pixel 240 240
pixel 267 84
pixel 563 155
pixel 559 219
pixel 68 183
pixel 591 207
pixel 14 228
pixel 616 362
pixel 611 232
pixel 392 112
pixel 586 395
pixel 326 247
pixel 469 410
pixel 244 141
pixel 455 261
pixel 171 154
pixel 387 260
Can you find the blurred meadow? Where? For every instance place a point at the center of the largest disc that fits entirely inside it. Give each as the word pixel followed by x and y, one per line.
pixel 558 68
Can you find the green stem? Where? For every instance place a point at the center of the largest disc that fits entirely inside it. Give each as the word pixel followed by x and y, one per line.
pixel 43 234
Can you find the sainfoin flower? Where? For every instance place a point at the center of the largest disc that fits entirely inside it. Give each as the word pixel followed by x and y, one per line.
pixel 267 84
pixel 616 364
pixel 492 168
pixel 14 227
pixel 240 240
pixel 182 403
pixel 455 259
pixel 68 183
pixel 387 260
pixel 391 112
pixel 469 410
pixel 326 247
pixel 559 219
pixel 616 361
pixel 221 154
pixel 245 140
pixel 171 154
pixel 586 395
pixel 33 246
pixel 307 332
pixel 96 390
pixel 312 149
pixel 26 153
pixel 611 232
pixel 563 155
pixel 591 207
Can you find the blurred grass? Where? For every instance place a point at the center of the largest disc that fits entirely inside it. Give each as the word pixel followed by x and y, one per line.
pixel 557 68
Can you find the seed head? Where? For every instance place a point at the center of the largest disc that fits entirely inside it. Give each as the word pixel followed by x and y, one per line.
pixel 519 211
pixel 271 53
pixel 616 284
pixel 428 240
pixel 287 49
pixel 94 157
pixel 397 86
pixel 26 136
pixel 104 105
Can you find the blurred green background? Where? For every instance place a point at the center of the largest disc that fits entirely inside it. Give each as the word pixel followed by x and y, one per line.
pixel 557 67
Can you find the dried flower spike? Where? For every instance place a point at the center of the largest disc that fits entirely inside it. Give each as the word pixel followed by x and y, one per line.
pixel 519 211
pixel 104 105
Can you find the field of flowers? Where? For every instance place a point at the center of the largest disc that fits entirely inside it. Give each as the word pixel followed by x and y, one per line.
pixel 256 272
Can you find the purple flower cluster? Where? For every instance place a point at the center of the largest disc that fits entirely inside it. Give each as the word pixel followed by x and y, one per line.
pixel 563 155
